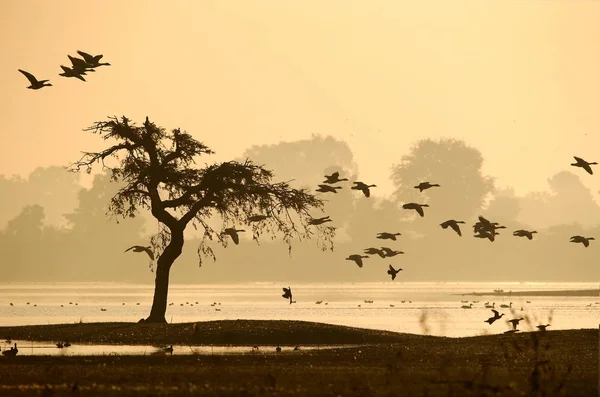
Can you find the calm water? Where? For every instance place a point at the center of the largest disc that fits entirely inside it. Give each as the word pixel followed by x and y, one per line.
pixel 428 307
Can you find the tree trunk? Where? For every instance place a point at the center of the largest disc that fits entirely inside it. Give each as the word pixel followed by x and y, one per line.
pixel 161 283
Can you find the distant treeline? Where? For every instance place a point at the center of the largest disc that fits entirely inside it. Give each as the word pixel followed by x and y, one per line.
pixel 55 230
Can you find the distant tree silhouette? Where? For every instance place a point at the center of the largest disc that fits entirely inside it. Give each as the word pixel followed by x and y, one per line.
pixel 504 207
pixel 453 165
pixel 156 167
pixel 305 161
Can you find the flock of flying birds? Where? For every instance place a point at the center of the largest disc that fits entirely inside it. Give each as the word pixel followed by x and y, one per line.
pixel 79 68
pixel 482 229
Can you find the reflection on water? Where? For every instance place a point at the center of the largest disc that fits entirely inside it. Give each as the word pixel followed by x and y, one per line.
pixel 28 348
pixel 412 307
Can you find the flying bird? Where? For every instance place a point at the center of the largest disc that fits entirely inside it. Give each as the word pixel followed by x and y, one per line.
pixel 393 272
pixel 92 60
pixel 357 259
pixel 416 207
pixel 583 164
pixel 386 235
pixel 580 239
pixel 497 316
pixel 287 294
pixel 453 224
pixel 334 178
pixel 327 189
pixel 233 233
pixel 524 233
pixel 79 65
pixel 485 234
pixel 319 221
pixel 390 252
pixel 68 72
pixel 140 248
pixel 515 322
pixel 363 187
pixel 35 83
pixel 373 251
pixel 425 185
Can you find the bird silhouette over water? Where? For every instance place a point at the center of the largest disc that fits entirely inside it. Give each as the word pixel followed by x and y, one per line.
pixel 453 224
pixel 35 83
pixel 233 233
pixel 93 60
pixel 425 185
pixel 515 322
pixel 393 272
pixel 141 248
pixel 580 239
pixel 357 259
pixel 334 178
pixel 497 316
pixel 12 352
pixel 287 293
pixel 363 187
pixel 524 233
pixel 328 189
pixel 319 221
pixel 68 72
pixel 388 236
pixel 416 207
pixel 583 164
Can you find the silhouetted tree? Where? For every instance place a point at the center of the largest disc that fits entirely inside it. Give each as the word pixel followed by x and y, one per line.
pixel 156 167
pixel 453 165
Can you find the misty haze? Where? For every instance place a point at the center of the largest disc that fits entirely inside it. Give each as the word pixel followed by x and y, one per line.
pixel 402 196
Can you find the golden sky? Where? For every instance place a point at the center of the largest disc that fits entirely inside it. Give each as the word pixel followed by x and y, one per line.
pixel 518 80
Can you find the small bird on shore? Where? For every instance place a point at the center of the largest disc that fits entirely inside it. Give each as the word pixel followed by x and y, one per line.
pixel 233 233
pixel 583 164
pixel 169 349
pixel 141 248
pixel 515 322
pixel 328 189
pixel 357 259
pixel 393 272
pixel 287 294
pixel 319 221
pixel 334 178
pixel 580 239
pixel 524 233
pixel 497 316
pixel 60 345
pixel 542 327
pixel 12 352
pixel 425 185
pixel 388 236
pixel 363 187
pixel 278 349
pixel 416 207
pixel 453 224
pixel 35 83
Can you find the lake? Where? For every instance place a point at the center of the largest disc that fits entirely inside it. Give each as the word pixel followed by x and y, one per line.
pixel 415 307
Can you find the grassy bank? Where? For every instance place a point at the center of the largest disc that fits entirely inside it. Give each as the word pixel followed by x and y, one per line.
pixel 549 363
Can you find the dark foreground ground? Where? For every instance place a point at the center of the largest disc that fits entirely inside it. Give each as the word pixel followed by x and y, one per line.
pixel 553 363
